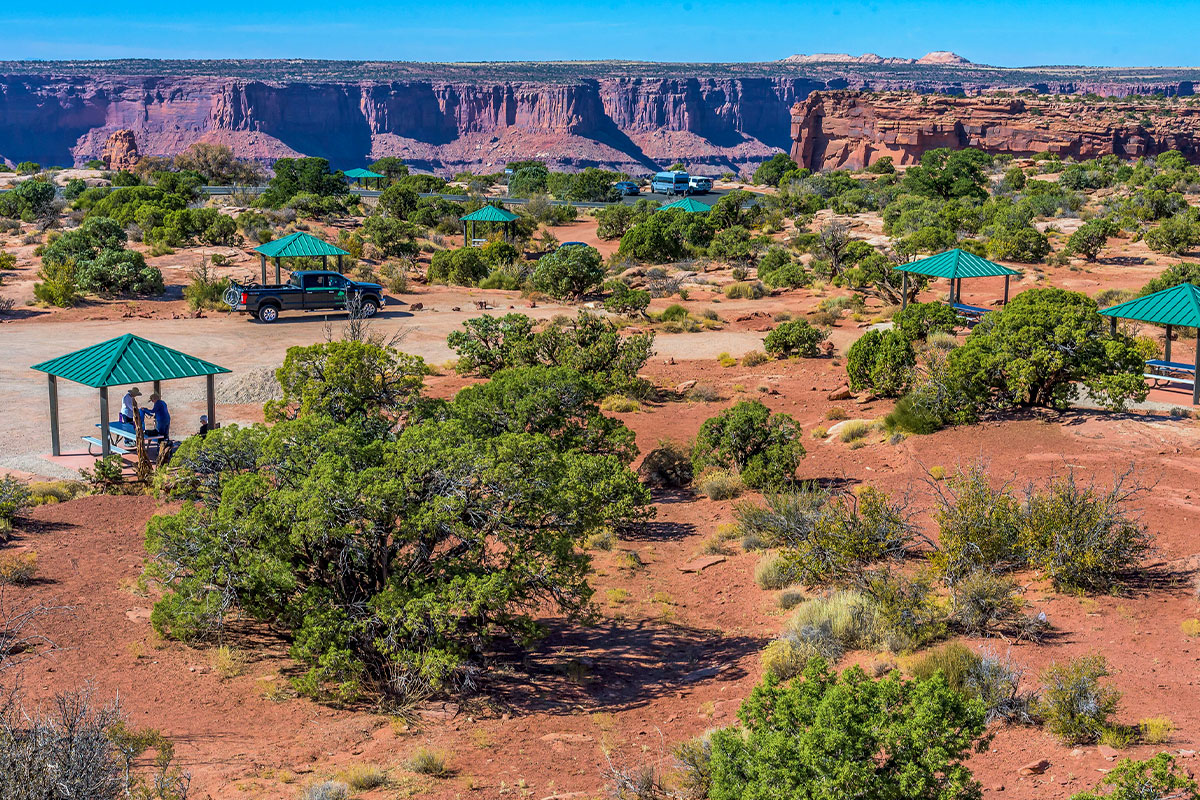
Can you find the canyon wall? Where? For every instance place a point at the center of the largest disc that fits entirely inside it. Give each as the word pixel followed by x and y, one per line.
pixel 633 116
pixel 834 130
pixel 632 124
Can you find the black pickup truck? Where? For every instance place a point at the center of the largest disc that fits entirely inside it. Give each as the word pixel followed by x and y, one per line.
pixel 310 290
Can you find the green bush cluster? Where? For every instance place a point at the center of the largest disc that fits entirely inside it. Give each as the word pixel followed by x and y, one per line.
pixel 794 337
pixel 882 361
pixel 764 448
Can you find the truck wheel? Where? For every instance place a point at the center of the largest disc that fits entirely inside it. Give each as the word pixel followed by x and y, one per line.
pixel 268 314
pixel 369 307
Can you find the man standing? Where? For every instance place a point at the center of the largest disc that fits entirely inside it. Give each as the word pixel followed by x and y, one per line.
pixel 162 418
pixel 128 403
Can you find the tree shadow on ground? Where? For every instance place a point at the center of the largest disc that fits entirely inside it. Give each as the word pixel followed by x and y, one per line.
pixel 658 531
pixel 614 666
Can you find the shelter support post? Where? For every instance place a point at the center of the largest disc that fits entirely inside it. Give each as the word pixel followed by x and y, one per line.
pixel 157 388
pixel 1167 346
pixel 278 279
pixel 464 234
pixel 324 262
pixel 1112 325
pixel 1196 376
pixel 904 291
pixel 105 448
pixel 1006 277
pixel 55 447
pixel 211 398
pixel 262 262
pixel 339 262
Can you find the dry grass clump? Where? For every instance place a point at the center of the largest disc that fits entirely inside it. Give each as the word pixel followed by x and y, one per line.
pixel 326 790
pixel 48 492
pixel 719 484
pixel 363 777
pixel 772 572
pixel 18 569
pixel 754 358
pixel 227 662
pixel 705 393
pixel 854 430
pixel 1156 730
pixel 602 539
pixel 428 762
pixel 1190 627
pixel 619 404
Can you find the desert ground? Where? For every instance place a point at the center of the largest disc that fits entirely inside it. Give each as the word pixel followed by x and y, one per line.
pixel 676 644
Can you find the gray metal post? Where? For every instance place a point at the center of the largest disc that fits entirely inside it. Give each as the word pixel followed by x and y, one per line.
pixel 262 262
pixel 277 278
pixel 1006 277
pixel 1196 375
pixel 210 385
pixel 104 445
pixel 158 388
pixel 1112 325
pixel 1167 346
pixel 340 263
pixel 55 448
pixel 325 262
pixel 904 291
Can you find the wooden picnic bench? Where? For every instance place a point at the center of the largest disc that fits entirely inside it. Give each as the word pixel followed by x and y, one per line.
pixel 1170 372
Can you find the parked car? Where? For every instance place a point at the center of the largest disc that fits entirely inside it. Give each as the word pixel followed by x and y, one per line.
pixel 700 184
pixel 627 188
pixel 307 290
pixel 670 183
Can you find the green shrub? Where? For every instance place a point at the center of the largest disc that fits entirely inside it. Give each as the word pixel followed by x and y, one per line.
pixel 918 320
pixel 1073 704
pixel 795 337
pixel 1155 730
pixel 461 267
pixel 58 285
pixel 854 430
pixel 1081 538
pixel 953 661
pixel 119 272
pixel 765 448
pixel 882 361
pixel 835 623
pixel 847 536
pixel 985 677
pixel 427 762
pixel 787 519
pixel 623 299
pixel 569 272
pixel 830 735
pixel 1157 778
pixel 908 615
pixel 978 526
pixel 784 659
pixel 205 290
pixel 14 498
pixel 771 573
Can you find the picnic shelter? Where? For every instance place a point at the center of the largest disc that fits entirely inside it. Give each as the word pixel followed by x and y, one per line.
pixel 955 265
pixel 491 215
pixel 297 245
pixel 123 361
pixel 1177 307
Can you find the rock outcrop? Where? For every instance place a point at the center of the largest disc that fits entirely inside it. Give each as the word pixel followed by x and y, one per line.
pixel 832 130
pixel 120 151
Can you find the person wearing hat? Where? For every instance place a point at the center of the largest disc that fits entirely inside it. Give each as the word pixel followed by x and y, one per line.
pixel 162 418
pixel 204 428
pixel 127 404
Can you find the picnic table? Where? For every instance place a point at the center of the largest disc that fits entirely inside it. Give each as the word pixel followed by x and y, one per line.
pixel 1169 372
pixel 971 313
pixel 119 430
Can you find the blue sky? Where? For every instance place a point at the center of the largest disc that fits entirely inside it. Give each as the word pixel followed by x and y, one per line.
pixel 1017 33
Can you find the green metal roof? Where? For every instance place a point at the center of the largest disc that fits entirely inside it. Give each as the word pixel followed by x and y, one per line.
pixel 956 264
pixel 1179 305
pixel 124 360
pixel 688 204
pixel 299 244
pixel 489 214
pixel 362 173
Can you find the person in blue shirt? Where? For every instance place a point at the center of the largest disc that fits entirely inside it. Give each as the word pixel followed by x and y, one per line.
pixel 162 418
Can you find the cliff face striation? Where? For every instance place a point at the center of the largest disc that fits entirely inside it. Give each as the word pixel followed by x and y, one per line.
pixel 832 130
pixel 631 124
pixel 635 116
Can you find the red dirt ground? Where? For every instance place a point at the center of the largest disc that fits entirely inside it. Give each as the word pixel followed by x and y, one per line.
pixel 641 680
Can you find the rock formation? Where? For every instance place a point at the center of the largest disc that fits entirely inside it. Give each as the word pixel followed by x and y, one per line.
pixel 832 130
pixel 120 151
pixel 448 117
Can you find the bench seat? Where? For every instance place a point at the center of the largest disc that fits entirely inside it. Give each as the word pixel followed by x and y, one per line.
pixel 92 441
pixel 1177 366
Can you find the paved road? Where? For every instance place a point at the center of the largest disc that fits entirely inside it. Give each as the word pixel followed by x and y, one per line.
pixel 708 198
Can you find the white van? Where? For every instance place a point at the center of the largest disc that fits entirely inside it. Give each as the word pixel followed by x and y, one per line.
pixel 700 184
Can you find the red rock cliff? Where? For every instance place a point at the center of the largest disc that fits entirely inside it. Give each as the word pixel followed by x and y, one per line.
pixel 832 130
